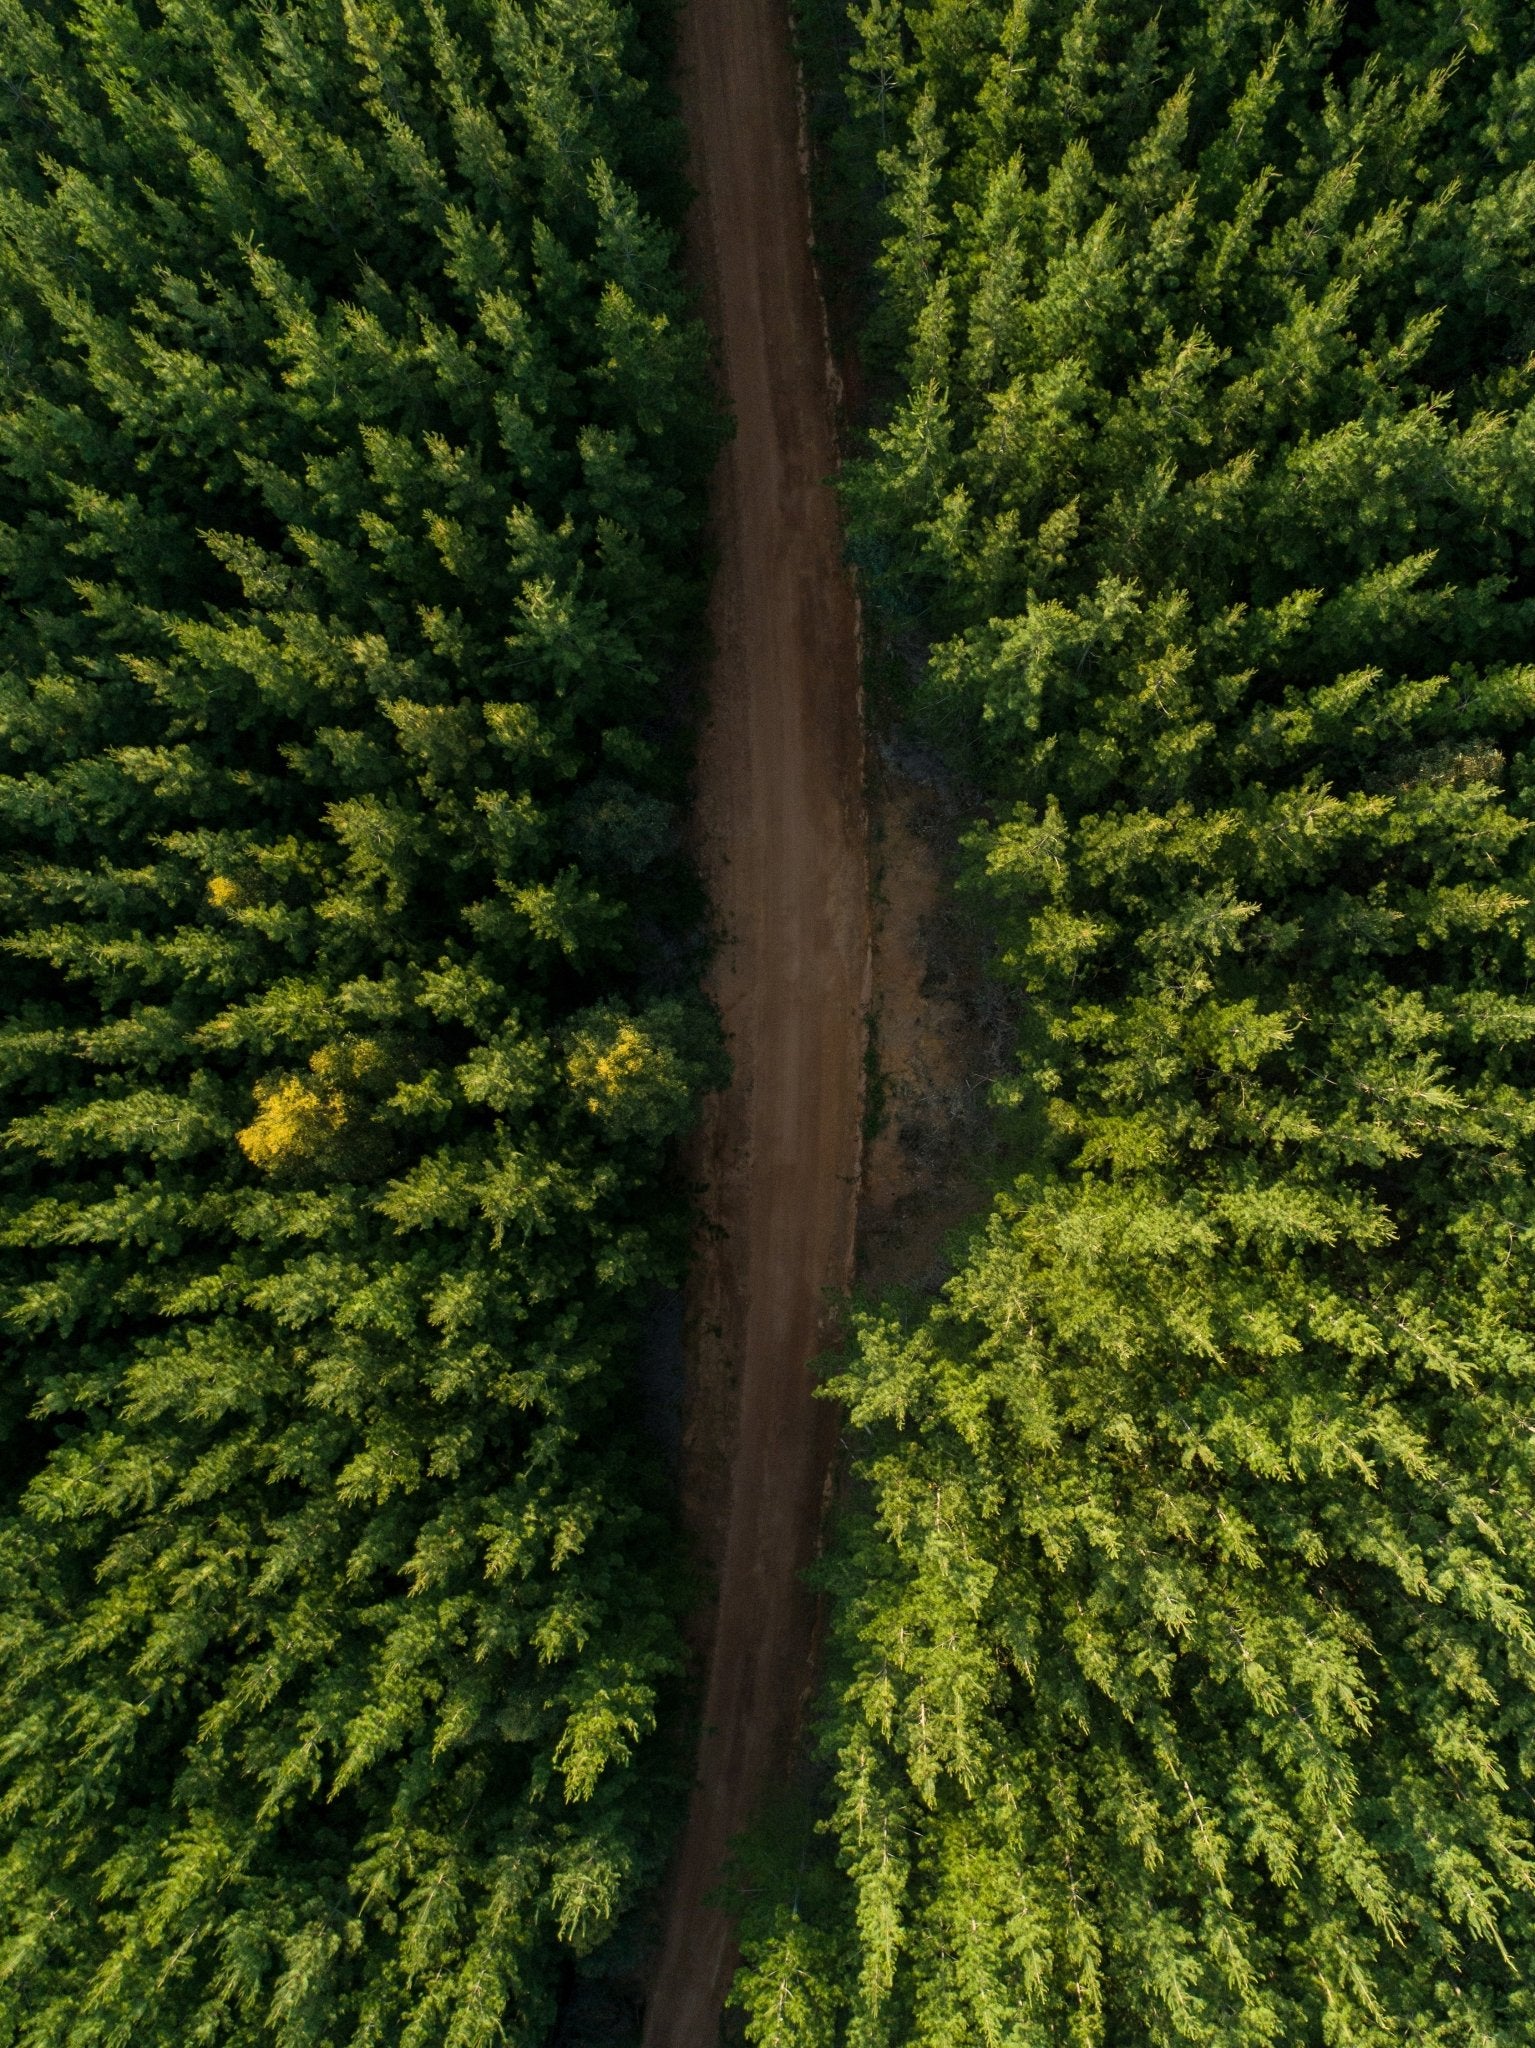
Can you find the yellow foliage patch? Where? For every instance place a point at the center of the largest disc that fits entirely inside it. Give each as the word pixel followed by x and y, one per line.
pixel 298 1121
pixel 606 1074
pixel 293 1122
pixel 225 894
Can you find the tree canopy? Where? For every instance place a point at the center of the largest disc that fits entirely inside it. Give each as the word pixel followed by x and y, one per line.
pixel 1183 1652
pixel 354 431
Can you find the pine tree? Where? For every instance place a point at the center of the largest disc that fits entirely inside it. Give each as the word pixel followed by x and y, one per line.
pixel 1181 1685
pixel 355 429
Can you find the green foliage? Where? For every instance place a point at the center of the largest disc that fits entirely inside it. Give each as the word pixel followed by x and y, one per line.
pixel 1183 1681
pixel 354 428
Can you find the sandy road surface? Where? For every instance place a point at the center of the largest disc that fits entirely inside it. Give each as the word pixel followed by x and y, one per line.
pixel 783 843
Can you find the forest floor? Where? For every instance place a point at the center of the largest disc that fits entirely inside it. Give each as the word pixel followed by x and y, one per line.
pixel 940 1030
pixel 782 840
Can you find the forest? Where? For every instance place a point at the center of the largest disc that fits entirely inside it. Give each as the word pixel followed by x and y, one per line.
pixel 354 432
pixel 359 411
pixel 1181 1687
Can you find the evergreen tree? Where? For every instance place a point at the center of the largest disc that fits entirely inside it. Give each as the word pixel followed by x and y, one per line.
pixel 354 431
pixel 1182 1686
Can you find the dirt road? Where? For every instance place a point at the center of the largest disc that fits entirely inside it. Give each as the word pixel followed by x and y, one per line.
pixel 783 843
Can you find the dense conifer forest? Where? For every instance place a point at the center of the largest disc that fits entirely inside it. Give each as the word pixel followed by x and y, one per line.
pixel 1179 1688
pixel 353 434
pixel 1182 1682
